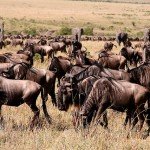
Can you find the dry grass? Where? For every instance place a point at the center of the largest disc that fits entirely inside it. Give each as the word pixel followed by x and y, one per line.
pixel 106 18
pixel 120 1
pixel 61 134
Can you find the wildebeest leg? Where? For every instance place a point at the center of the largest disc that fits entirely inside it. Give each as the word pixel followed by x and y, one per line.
pixel 1 117
pixel 48 118
pixel 140 113
pixel 102 107
pixel 53 97
pixel 105 120
pixel 36 112
pixel 44 99
pixel 52 94
pixel 126 119
pixel 129 115
pixel 146 134
pixel 134 121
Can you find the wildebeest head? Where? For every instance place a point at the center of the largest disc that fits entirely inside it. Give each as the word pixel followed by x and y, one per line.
pixel 108 46
pixel 56 66
pixel 29 47
pixel 67 94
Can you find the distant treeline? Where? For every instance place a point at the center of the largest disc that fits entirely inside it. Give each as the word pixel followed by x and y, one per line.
pixel 120 1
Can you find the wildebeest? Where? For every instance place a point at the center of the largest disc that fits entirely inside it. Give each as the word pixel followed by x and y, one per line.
pixel 80 73
pixel 17 92
pixel 16 42
pixel 130 54
pixel 18 68
pixel 82 59
pixel 43 77
pixel 140 75
pixel 146 52
pixel 75 93
pixel 15 58
pixel 76 45
pixel 35 49
pixel 121 37
pixel 60 65
pixel 108 46
pixel 60 46
pixel 4 66
pixel 112 61
pixel 76 33
pixel 119 95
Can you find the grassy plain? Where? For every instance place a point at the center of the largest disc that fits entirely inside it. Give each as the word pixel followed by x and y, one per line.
pixel 61 134
pixel 106 18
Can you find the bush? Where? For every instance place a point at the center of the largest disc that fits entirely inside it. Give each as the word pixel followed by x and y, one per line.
pixel 37 57
pixel 140 34
pixel 31 31
pixel 65 31
pixel 88 31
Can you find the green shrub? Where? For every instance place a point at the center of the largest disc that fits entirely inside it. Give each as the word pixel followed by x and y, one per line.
pixel 88 31
pixel 139 34
pixel 31 31
pixel 65 31
pixel 37 57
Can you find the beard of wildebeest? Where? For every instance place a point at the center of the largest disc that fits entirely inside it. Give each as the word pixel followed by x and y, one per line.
pixel 68 94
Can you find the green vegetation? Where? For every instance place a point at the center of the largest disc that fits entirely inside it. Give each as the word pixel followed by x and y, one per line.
pixel 88 31
pixel 65 31
pixel 94 18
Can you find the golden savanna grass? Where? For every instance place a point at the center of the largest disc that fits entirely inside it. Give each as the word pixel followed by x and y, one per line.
pixel 105 18
pixel 60 135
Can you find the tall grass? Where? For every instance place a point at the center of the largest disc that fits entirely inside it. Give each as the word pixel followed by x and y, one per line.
pixel 61 135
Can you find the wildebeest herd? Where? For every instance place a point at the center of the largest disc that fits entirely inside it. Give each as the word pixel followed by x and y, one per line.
pixel 90 85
